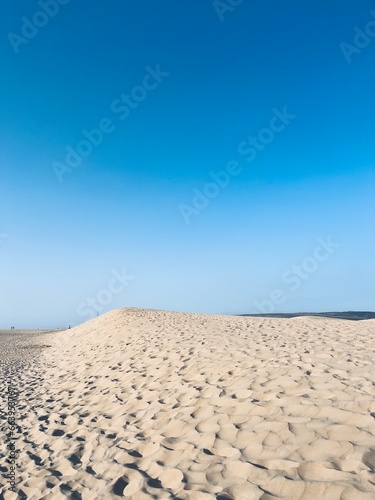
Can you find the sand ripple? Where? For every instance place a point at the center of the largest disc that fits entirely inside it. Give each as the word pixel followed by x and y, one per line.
pixel 148 404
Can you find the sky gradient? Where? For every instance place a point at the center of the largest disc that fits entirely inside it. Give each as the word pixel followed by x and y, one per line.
pixel 170 94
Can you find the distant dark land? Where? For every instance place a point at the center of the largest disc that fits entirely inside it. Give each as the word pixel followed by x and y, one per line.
pixel 351 315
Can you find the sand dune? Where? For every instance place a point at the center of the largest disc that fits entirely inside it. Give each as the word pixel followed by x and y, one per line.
pixel 147 404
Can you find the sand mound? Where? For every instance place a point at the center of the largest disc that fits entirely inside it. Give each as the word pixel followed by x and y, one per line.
pixel 147 404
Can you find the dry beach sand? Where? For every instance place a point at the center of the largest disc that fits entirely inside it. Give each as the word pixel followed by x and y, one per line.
pixel 147 404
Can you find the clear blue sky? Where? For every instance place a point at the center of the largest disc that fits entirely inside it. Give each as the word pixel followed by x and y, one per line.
pixel 224 72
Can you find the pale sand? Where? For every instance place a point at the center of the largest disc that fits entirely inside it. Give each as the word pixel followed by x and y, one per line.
pixel 151 404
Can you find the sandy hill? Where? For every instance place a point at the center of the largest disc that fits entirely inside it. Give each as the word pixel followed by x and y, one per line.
pixel 147 404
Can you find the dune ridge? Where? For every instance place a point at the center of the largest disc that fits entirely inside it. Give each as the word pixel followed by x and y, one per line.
pixel 147 404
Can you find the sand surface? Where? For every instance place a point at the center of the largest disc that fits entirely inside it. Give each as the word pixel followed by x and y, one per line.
pixel 149 404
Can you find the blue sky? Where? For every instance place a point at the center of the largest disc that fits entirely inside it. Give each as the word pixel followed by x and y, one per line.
pixel 217 76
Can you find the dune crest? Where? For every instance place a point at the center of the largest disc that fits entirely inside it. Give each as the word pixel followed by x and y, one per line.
pixel 147 404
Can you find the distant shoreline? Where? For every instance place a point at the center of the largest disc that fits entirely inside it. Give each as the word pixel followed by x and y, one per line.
pixel 350 315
